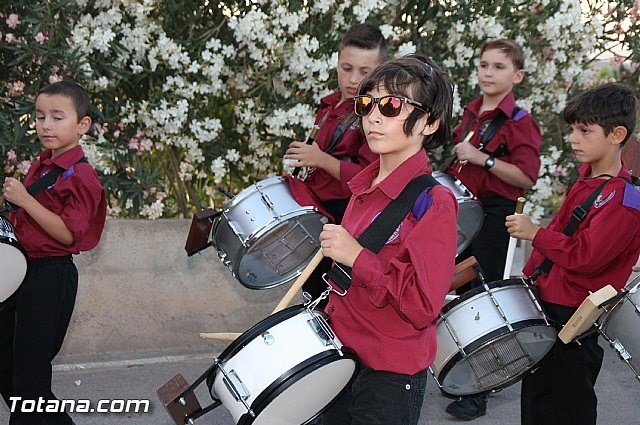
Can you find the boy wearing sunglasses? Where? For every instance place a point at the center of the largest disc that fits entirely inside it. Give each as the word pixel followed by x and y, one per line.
pixel 388 314
pixel 339 151
pixel 498 164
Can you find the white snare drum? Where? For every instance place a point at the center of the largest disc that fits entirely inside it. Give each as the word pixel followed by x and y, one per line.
pixel 13 260
pixel 264 236
pixel 470 213
pixel 284 370
pixel 620 323
pixel 489 337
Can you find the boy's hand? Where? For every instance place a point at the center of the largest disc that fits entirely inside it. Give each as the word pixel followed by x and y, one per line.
pixel 306 155
pixel 15 192
pixel 339 245
pixel 520 226
pixel 467 152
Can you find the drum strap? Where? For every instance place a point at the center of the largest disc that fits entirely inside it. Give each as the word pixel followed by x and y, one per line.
pixel 40 184
pixel 578 214
pixel 376 235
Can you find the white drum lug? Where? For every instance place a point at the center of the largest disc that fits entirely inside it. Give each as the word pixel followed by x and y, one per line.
pixel 234 228
pixel 622 352
pixel 535 302
pixel 453 335
pixel 322 330
pixel 500 311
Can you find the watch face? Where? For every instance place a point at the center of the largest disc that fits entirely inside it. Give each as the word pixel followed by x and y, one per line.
pixel 490 162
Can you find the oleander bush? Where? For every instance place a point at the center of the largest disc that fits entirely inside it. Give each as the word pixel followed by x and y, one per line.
pixel 193 96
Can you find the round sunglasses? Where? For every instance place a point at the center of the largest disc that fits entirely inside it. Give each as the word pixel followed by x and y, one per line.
pixel 389 106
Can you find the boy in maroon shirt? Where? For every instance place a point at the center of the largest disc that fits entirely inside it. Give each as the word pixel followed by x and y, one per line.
pixel 340 150
pixel 388 315
pixel 63 219
pixel 601 251
pixel 497 171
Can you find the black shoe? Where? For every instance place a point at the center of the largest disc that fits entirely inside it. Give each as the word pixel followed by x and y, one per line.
pixel 468 409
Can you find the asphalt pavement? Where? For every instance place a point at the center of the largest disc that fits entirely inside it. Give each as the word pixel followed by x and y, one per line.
pixel 618 392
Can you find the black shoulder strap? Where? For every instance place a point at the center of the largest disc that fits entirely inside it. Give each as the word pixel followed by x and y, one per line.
pixel 42 183
pixel 578 214
pixel 376 235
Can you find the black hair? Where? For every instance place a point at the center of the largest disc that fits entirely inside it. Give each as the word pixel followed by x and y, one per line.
pixel 420 78
pixel 608 105
pixel 74 91
pixel 365 36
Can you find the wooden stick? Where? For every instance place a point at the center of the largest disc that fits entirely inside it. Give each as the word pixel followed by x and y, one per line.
pixel 464 272
pixel 286 300
pixel 227 336
pixel 511 249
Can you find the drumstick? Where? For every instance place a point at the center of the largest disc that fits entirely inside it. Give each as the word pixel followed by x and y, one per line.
pixel 464 162
pixel 512 243
pixel 284 302
pixel 15 176
pixel 227 336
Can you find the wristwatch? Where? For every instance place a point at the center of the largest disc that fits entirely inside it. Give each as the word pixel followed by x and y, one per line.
pixel 489 163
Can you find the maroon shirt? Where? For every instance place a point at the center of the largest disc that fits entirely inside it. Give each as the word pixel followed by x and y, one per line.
pixel 320 185
pixel 77 197
pixel 521 137
pixel 601 251
pixel 390 311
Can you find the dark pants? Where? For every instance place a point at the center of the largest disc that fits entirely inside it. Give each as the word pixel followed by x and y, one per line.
pixel 33 324
pixel 491 245
pixel 561 391
pixel 377 397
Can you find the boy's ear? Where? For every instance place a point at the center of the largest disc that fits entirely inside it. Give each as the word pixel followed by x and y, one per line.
pixel 618 134
pixel 430 128
pixel 84 125
pixel 518 77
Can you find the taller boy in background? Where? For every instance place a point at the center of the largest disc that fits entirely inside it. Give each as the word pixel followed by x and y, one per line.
pixel 498 164
pixel 64 219
pixel 340 150
pixel 601 251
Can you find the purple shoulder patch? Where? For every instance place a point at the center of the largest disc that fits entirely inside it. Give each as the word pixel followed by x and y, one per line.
pixel 67 173
pixel 521 113
pixel 422 204
pixel 631 197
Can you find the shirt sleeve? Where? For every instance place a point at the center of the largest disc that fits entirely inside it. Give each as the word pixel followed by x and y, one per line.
pixel 523 140
pixel 416 281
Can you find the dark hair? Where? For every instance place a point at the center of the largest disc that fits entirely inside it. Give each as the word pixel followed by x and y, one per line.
pixel 365 36
pixel 609 106
pixel 509 47
pixel 421 79
pixel 75 92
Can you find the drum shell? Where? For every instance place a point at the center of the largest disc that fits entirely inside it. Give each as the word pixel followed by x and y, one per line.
pixel 13 260
pixel 477 323
pixel 618 324
pixel 292 374
pixel 470 212
pixel 265 209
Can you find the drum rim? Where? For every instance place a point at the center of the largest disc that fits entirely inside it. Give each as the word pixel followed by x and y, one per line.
pixel 504 283
pixel 487 338
pixel 293 375
pixel 256 330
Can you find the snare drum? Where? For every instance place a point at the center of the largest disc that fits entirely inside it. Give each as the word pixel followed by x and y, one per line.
pixel 284 370
pixel 620 323
pixel 489 337
pixel 470 213
pixel 264 236
pixel 13 260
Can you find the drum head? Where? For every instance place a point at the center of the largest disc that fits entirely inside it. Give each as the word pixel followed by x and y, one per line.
pixel 14 268
pixel 498 362
pixel 280 255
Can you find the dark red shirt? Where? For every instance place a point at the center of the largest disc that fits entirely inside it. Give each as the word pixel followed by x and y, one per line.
pixel 320 185
pixel 390 311
pixel 77 197
pixel 601 251
pixel 521 137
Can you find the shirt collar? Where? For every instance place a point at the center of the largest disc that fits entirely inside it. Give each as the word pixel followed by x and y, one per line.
pixel 585 169
pixel 506 105
pixel 64 160
pixel 396 181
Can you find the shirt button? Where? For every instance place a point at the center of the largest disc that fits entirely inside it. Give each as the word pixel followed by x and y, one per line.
pixel 331 309
pixel 359 200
